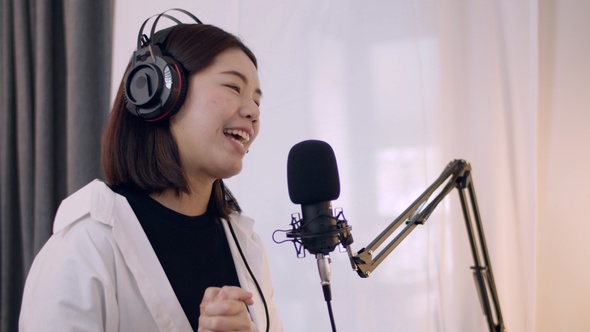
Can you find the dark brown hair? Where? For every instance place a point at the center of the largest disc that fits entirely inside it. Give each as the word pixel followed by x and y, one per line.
pixel 144 156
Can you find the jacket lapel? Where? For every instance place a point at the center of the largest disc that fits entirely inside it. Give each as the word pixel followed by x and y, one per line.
pixel 142 261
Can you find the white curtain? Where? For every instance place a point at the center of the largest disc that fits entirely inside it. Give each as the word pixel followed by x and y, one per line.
pixel 398 88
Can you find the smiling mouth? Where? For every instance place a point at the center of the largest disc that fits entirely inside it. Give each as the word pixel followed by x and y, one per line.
pixel 237 135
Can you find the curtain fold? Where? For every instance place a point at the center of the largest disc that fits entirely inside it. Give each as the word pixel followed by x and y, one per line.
pixel 55 86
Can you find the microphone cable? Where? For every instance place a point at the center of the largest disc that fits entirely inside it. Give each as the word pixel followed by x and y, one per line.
pixel 328 297
pixel 258 288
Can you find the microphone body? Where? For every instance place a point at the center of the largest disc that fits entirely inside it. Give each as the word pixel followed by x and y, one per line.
pixel 318 230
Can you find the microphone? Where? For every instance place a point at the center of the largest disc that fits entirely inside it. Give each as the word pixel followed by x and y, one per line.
pixel 312 176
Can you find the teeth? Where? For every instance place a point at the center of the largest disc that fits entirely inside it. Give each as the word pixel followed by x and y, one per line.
pixel 244 136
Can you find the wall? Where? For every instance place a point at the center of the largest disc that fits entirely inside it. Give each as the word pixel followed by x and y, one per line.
pixel 563 290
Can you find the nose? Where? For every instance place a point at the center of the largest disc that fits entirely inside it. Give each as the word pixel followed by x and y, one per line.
pixel 250 110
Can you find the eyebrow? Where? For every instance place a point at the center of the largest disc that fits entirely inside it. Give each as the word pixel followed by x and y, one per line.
pixel 242 77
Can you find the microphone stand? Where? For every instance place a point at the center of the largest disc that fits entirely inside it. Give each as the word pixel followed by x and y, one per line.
pixel 456 175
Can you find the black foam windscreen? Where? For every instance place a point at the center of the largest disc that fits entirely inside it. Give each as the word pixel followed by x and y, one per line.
pixel 312 173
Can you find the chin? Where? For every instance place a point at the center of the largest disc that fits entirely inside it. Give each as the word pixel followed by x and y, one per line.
pixel 232 172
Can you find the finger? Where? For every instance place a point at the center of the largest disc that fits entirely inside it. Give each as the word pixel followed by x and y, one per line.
pixel 226 315
pixel 217 324
pixel 223 308
pixel 210 294
pixel 235 293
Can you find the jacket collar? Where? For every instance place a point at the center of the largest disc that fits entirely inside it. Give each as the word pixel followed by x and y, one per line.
pixel 105 206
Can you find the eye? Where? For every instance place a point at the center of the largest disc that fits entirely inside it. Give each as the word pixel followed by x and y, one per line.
pixel 233 87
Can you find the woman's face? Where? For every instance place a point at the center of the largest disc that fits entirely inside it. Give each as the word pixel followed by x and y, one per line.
pixel 219 119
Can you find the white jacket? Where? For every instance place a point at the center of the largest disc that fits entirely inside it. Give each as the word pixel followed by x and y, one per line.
pixel 98 272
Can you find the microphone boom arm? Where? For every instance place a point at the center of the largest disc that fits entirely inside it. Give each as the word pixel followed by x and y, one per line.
pixel 456 175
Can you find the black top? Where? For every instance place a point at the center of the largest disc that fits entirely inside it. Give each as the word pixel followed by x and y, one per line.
pixel 193 251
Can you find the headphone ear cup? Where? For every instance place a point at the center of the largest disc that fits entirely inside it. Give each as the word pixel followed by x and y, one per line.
pixel 155 87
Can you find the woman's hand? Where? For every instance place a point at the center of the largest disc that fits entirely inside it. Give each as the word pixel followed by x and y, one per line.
pixel 224 309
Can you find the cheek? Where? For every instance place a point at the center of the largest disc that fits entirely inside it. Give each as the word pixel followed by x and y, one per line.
pixel 218 104
pixel 195 117
pixel 200 100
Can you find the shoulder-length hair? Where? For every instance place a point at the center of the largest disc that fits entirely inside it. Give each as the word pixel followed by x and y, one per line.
pixel 144 155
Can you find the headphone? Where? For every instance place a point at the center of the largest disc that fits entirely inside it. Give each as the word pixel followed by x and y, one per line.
pixel 155 85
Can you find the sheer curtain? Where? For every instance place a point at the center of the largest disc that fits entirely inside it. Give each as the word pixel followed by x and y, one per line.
pixel 399 89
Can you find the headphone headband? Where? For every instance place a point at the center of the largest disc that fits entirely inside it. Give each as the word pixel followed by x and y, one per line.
pixel 158 16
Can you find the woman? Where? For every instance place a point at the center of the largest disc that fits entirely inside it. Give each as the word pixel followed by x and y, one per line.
pixel 161 245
